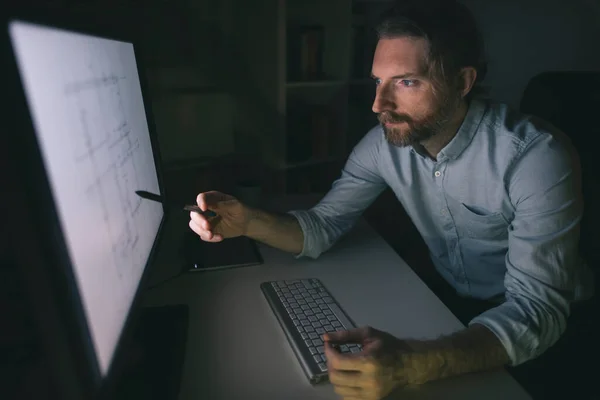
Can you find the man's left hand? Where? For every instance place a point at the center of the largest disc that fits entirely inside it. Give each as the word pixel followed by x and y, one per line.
pixel 371 374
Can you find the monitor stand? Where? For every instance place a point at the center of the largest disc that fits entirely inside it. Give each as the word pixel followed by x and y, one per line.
pixel 157 355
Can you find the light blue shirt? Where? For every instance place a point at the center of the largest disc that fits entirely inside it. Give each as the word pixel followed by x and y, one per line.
pixel 499 211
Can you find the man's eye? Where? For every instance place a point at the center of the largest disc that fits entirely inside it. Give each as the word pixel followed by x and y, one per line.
pixel 408 82
pixel 377 81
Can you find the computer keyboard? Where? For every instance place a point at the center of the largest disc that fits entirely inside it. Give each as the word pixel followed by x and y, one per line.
pixel 306 310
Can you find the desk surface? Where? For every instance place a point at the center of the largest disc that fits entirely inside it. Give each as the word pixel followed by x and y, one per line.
pixel 237 350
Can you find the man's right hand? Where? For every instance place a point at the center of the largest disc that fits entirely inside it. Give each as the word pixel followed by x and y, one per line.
pixel 232 217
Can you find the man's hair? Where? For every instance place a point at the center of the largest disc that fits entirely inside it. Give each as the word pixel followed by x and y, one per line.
pixel 450 30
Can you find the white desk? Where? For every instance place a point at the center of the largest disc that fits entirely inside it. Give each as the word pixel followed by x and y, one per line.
pixel 237 350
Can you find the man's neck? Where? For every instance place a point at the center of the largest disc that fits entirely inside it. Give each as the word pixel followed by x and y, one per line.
pixel 434 145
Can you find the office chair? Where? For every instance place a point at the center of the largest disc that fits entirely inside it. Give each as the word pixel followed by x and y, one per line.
pixel 570 101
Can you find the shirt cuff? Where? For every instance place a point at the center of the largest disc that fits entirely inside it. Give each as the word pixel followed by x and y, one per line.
pixel 306 222
pixel 511 328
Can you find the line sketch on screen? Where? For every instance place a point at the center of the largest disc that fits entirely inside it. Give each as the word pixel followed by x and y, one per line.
pixel 109 148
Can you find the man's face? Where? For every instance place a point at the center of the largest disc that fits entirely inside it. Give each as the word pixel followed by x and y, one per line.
pixel 408 108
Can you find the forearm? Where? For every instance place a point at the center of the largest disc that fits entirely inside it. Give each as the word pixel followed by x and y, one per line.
pixel 281 231
pixel 471 350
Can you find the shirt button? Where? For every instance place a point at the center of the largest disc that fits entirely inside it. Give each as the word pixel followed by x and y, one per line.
pixel 438 174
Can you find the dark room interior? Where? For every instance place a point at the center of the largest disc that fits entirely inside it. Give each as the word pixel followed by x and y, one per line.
pixel 265 100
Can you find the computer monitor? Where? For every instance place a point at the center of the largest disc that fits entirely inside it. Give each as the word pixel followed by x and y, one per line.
pixel 78 148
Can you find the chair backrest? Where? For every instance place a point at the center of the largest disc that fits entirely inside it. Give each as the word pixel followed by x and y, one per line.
pixel 570 101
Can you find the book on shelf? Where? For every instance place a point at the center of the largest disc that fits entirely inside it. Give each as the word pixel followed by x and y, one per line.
pixel 305 52
pixel 311 133
pixel 362 52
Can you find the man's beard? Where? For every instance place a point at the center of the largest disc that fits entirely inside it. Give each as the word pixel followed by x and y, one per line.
pixel 418 131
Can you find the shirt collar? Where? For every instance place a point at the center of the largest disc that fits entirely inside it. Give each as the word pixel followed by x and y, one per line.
pixel 463 137
pixel 466 131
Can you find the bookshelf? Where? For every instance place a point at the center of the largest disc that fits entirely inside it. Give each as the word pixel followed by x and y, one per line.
pixel 309 100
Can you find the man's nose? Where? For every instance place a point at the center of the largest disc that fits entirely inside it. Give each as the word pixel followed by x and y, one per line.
pixel 382 103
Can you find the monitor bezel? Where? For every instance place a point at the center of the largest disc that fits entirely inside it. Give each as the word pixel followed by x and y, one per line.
pixel 38 242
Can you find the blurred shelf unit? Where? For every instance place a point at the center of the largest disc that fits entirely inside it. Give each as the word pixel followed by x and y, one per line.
pixel 283 83
pixel 310 97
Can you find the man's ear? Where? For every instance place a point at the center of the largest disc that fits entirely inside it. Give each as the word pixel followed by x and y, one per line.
pixel 468 75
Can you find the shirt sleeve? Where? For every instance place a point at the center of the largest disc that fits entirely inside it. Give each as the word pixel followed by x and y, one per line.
pixel 359 185
pixel 542 258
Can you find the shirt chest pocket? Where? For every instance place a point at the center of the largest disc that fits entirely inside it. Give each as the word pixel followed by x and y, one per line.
pixel 480 224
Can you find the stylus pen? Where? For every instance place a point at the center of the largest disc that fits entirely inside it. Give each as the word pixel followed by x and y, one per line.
pixel 155 197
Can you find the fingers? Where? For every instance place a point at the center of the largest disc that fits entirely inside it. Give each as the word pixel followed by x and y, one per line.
pixel 200 225
pixel 348 392
pixel 357 335
pixel 210 200
pixel 337 361
pixel 346 379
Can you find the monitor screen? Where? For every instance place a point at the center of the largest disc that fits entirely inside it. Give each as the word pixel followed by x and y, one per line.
pixel 87 110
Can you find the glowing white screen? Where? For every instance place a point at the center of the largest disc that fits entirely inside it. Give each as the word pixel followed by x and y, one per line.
pixel 86 103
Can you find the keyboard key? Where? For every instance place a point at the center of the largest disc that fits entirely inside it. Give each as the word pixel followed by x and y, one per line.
pixel 340 315
pixel 321 349
pixel 331 317
pixel 336 324
pixel 318 358
pixel 320 331
pixel 309 328
pixel 329 328
pixel 324 322
pixel 313 350
pixel 305 335
pixel 355 350
pixel 316 324
pixel 317 342
pixel 312 318
pixel 344 349
pixel 320 316
pixel 323 367
pixel 307 283
pixel 327 312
